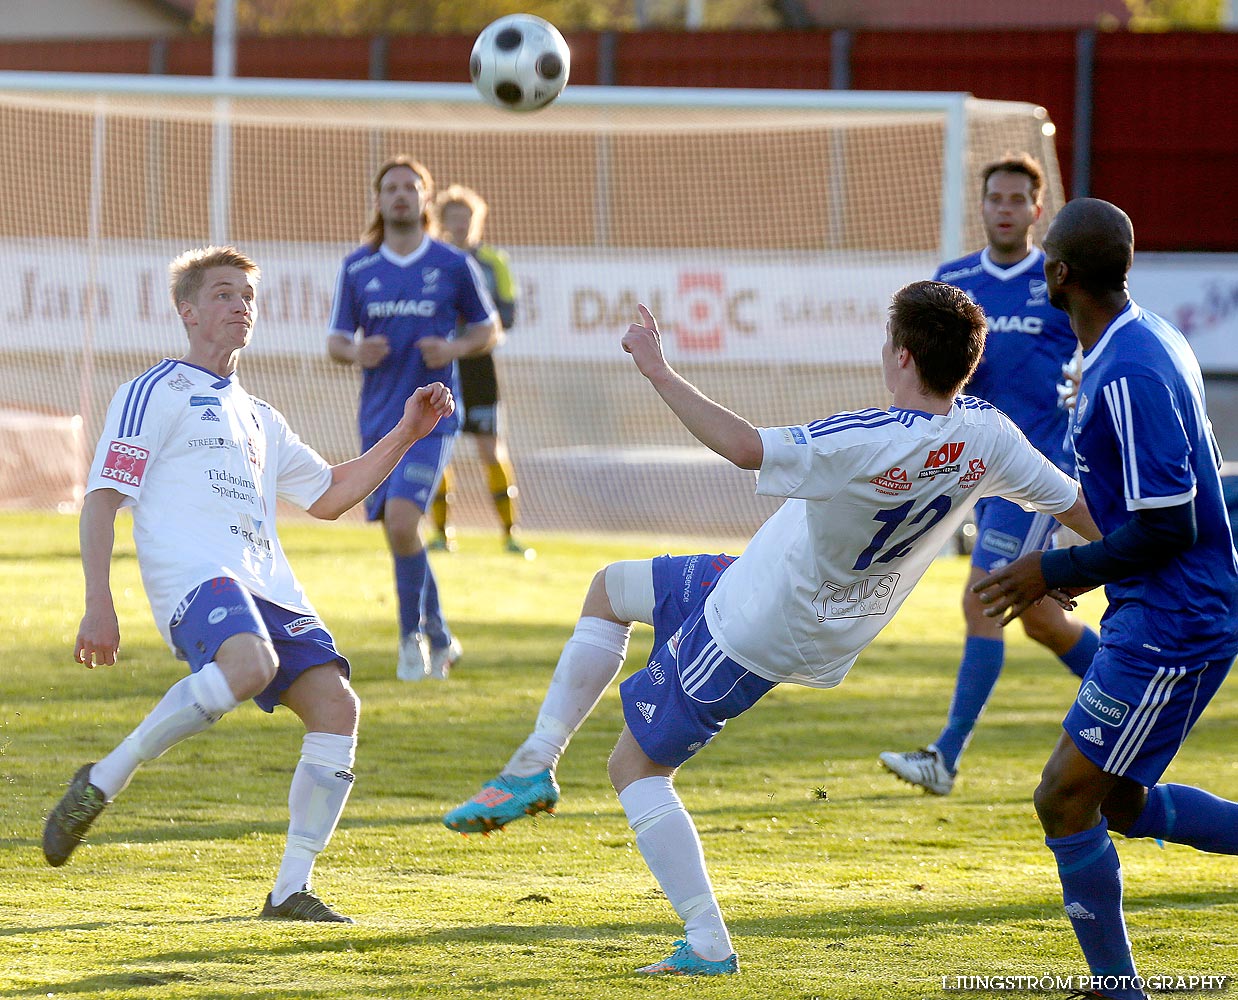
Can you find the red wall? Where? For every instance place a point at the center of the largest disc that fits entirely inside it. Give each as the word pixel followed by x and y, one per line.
pixel 1165 115
pixel 1166 137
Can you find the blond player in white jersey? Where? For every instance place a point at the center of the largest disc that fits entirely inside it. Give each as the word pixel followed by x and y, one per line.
pixel 200 463
pixel 871 497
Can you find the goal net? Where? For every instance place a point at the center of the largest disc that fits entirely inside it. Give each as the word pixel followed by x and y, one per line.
pixel 766 230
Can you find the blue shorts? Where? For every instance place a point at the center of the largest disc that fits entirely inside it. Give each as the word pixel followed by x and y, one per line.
pixel 415 477
pixel 1005 531
pixel 680 584
pixel 221 608
pixel 1131 716
pixel 682 699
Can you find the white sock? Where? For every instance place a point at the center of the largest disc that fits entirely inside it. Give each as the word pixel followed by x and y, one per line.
pixel 320 787
pixel 667 840
pixel 192 704
pixel 590 661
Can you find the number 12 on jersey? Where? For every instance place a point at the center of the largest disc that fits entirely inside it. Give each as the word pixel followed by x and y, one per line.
pixel 890 520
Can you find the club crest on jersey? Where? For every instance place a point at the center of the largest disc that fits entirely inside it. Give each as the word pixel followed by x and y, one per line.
pixel 180 383
pixel 975 472
pixel 125 463
pixel 894 481
pixel 1038 290
pixel 429 279
pixel 672 644
pixel 857 599
pixel 943 461
pixel 306 623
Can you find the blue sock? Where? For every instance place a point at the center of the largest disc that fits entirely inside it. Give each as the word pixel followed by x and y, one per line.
pixel 410 584
pixel 432 623
pixel 978 673
pixel 1185 815
pixel 1079 657
pixel 1087 864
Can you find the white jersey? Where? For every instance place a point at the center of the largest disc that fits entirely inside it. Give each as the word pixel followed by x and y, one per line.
pixel 201 463
pixel 873 496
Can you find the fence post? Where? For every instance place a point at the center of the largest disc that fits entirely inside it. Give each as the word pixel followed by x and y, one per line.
pixel 1085 95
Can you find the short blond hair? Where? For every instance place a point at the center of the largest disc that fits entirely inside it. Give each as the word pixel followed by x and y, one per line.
pixel 187 272
pixel 458 194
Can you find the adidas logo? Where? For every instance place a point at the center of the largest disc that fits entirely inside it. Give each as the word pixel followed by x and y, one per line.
pixel 209 414
pixel 1077 911
pixel 374 285
pixel 646 710
pixel 1093 735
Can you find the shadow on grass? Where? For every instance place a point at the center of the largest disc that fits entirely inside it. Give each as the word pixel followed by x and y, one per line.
pixel 834 928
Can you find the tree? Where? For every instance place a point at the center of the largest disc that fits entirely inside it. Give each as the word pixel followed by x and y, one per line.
pixel 1170 15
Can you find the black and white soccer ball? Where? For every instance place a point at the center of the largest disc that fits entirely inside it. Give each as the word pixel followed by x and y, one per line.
pixel 520 62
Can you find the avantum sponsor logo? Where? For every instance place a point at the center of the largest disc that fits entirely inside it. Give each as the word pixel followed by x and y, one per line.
pixel 975 472
pixel 894 481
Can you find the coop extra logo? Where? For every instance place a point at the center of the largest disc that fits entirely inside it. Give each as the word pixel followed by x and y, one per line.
pixel 125 463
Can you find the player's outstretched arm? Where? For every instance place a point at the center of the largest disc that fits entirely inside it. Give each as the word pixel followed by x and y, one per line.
pixel 352 482
pixel 1079 519
pixel 98 636
pixel 716 427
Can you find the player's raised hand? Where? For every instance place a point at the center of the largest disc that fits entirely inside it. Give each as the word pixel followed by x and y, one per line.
pixel 426 407
pixel 98 639
pixel 372 350
pixel 1068 388
pixel 644 343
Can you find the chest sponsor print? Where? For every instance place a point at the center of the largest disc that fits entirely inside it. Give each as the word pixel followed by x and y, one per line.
pixel 870 595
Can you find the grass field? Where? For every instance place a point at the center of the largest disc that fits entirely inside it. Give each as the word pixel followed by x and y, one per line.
pixel 839 882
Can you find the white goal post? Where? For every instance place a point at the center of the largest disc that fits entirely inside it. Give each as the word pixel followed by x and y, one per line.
pixel 766 228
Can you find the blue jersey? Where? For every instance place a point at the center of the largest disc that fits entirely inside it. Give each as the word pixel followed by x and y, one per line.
pixel 405 299
pixel 1142 440
pixel 1028 342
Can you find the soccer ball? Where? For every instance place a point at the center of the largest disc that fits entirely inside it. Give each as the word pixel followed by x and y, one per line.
pixel 520 62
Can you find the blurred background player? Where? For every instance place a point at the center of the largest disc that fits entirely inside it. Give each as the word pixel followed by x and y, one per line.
pixel 200 463
pixel 1028 344
pixel 1148 464
pixel 728 630
pixel 406 308
pixel 460 214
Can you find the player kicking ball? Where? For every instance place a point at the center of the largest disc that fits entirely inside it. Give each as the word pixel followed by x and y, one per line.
pixel 200 463
pixel 871 497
